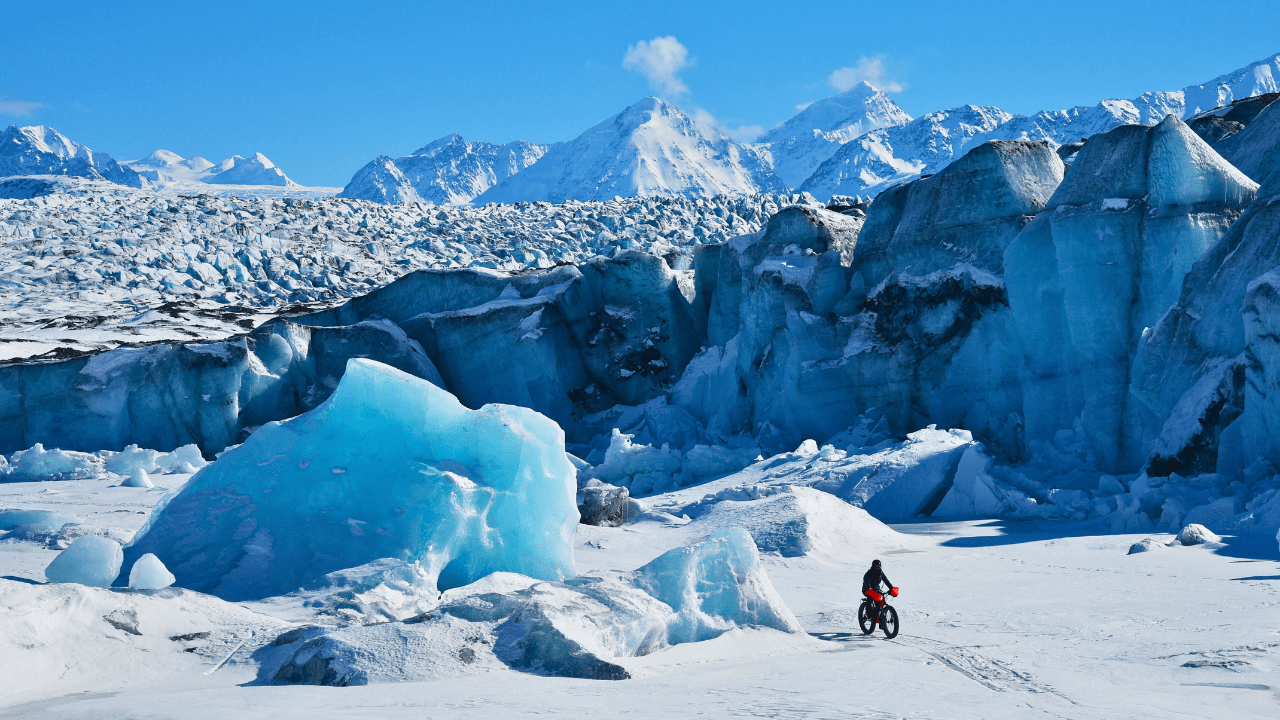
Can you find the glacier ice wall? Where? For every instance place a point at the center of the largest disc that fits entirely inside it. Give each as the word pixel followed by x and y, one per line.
pixel 1087 277
pixel 210 394
pixel 390 466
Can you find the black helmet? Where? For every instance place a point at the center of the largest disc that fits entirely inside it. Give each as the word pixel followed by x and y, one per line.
pixel 875 563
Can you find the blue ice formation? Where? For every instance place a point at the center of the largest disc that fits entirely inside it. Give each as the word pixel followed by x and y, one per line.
pixel 138 479
pixel 35 519
pixel 149 573
pixel 390 466
pixel 714 586
pixel 36 463
pixel 131 459
pixel 91 560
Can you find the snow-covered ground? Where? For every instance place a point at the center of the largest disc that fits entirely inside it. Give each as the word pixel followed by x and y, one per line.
pixel 1000 619
pixel 88 265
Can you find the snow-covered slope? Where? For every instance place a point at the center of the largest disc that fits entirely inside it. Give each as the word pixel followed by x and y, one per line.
pixel 450 170
pixel 40 150
pixel 802 143
pixel 163 166
pixel 890 155
pixel 650 148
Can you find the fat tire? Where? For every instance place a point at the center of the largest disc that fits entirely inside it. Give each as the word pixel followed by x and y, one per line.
pixel 889 617
pixel 864 619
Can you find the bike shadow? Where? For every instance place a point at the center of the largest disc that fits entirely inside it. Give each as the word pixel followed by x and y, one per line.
pixel 843 636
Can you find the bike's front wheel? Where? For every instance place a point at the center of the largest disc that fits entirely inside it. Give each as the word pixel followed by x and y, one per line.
pixel 889 622
pixel 866 620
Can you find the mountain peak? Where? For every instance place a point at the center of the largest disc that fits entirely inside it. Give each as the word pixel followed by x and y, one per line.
pixel 649 148
pixel 41 150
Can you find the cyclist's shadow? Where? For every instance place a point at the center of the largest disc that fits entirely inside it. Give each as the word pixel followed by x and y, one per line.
pixel 843 636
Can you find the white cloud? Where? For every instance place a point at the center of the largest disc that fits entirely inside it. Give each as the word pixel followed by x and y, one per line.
pixel 803 105
pixel 660 60
pixel 742 133
pixel 20 108
pixel 867 69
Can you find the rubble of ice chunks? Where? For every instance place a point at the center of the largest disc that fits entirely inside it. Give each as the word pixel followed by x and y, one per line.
pixel 91 267
pixel 390 466
pixel 1103 262
pixel 645 469
pixel 580 627
pixel 930 473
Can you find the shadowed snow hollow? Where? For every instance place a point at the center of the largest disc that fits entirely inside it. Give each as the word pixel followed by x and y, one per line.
pixel 389 467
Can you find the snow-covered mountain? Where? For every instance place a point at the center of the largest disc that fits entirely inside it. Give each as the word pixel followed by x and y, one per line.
pixel 163 166
pixel 650 148
pixel 451 170
pixel 890 155
pixel 805 141
pixel 40 150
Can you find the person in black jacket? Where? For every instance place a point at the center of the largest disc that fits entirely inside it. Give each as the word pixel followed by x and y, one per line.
pixel 872 579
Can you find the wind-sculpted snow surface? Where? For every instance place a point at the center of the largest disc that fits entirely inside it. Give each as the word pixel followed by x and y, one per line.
pixel 576 628
pixel 92 265
pixel 389 466
pixel 1087 277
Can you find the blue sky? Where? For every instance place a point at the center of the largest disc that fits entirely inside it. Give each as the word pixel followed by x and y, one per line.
pixel 322 88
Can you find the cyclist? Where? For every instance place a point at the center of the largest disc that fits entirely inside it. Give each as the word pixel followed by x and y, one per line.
pixel 871 582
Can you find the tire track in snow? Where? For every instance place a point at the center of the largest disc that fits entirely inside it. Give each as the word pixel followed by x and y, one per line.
pixel 986 671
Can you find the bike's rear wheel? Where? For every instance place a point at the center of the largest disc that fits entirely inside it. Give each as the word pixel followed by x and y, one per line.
pixel 866 620
pixel 889 622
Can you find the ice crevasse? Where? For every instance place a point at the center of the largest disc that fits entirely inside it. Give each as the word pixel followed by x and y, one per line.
pixel 390 466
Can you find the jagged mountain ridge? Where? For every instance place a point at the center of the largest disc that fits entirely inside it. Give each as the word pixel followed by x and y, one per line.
pixel 451 170
pixel 40 150
pixel 650 148
pixel 888 156
pixel 804 142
